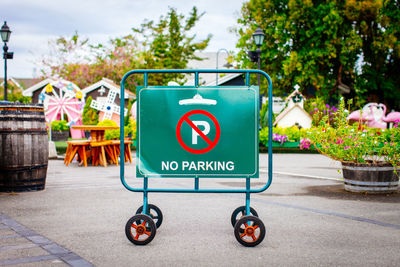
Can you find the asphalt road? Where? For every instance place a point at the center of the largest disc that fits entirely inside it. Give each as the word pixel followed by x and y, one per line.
pixel 310 220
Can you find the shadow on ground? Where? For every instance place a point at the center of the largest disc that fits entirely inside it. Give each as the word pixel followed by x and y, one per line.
pixel 338 192
pixel 335 191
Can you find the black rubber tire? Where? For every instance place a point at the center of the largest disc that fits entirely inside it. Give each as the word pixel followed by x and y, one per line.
pixel 243 234
pixel 241 209
pixel 154 212
pixel 149 229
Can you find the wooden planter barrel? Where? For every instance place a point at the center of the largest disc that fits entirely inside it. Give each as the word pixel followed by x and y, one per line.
pixel 23 147
pixel 370 178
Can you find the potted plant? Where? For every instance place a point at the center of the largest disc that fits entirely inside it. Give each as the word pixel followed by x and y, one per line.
pixel 370 157
pixel 59 130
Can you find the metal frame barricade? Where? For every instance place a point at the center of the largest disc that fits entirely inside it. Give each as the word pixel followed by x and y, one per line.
pixel 249 230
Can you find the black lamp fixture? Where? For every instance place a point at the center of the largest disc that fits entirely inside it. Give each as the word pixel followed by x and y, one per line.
pixel 5 36
pixel 5 32
pixel 258 37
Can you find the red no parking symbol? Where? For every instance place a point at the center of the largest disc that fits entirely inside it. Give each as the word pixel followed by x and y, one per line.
pixel 197 132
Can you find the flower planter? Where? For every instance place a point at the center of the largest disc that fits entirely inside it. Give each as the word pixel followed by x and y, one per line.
pixel 59 135
pixel 370 178
pixel 286 144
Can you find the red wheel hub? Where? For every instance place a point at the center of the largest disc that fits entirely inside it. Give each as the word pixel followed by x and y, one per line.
pixel 140 229
pixel 249 231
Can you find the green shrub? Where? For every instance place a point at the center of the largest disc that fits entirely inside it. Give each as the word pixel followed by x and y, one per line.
pixel 264 115
pixel 110 134
pixel 59 125
pixel 115 134
pixel 130 128
pixel 294 134
pixel 90 115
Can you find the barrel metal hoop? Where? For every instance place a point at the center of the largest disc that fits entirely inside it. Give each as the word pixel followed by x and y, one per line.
pixel 372 189
pixel 23 132
pixel 30 168
pixel 368 168
pixel 22 119
pixel 348 181
pixel 19 112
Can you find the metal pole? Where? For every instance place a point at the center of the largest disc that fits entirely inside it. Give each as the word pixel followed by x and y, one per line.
pixel 258 76
pixel 5 48
pixel 216 67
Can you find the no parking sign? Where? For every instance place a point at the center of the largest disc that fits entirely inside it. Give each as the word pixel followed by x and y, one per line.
pixel 197 132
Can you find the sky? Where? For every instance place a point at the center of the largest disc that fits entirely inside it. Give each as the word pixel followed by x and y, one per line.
pixel 34 22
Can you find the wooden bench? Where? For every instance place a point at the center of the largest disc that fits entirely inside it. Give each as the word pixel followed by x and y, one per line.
pixel 78 147
pixel 127 149
pixel 101 152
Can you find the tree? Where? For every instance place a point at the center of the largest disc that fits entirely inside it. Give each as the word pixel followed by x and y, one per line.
pixel 163 45
pixel 320 44
pixel 14 93
pixel 378 25
pixel 168 45
pixel 111 61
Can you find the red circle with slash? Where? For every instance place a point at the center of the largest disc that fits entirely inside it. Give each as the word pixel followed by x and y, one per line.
pixel 211 144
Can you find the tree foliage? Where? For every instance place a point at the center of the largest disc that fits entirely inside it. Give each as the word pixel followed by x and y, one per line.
pixel 169 45
pixel 323 44
pixel 90 115
pixel 165 44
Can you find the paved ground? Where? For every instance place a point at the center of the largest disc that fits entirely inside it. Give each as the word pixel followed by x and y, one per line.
pixel 79 220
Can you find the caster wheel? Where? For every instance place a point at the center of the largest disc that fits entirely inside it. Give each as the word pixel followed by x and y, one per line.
pixel 249 231
pixel 140 229
pixel 154 212
pixel 240 212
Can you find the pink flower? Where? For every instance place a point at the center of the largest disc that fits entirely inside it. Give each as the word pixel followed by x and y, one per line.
pixel 346 147
pixel 356 146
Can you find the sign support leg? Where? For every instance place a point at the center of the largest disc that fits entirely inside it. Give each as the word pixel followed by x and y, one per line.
pixel 247 196
pixel 145 199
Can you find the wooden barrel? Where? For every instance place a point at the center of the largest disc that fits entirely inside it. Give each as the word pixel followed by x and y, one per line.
pixel 23 147
pixel 370 178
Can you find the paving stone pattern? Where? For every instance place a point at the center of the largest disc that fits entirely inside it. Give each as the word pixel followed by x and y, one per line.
pixel 20 245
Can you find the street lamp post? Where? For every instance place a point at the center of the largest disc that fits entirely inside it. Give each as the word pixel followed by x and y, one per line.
pixel 228 65
pixel 255 56
pixel 5 36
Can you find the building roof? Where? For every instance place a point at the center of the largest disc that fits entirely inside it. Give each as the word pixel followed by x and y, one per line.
pixel 20 82
pixel 40 85
pixel 224 79
pixel 209 62
pixel 293 93
pixel 288 110
pixel 110 85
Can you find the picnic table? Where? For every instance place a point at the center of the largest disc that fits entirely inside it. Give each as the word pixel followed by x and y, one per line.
pixel 99 149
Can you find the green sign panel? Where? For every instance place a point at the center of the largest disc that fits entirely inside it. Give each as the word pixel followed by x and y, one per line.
pixel 197 132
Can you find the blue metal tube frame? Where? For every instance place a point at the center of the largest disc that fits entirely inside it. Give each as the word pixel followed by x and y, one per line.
pixel 145 188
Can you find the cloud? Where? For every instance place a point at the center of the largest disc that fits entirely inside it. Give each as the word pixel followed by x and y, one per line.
pixel 34 23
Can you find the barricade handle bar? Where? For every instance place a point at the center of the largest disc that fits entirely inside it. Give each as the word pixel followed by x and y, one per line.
pixel 196 73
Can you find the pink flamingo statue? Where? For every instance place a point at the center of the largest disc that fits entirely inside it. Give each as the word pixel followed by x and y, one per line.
pixel 374 115
pixel 393 117
pixel 361 115
pixel 377 112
